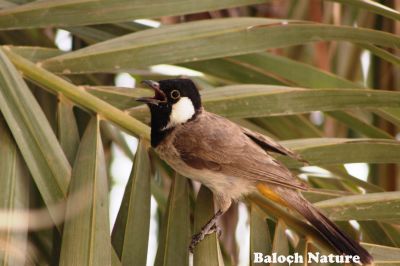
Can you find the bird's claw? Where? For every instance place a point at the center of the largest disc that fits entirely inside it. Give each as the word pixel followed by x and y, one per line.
pixel 215 228
pixel 197 238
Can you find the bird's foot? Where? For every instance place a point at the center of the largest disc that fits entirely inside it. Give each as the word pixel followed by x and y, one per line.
pixel 216 229
pixel 197 238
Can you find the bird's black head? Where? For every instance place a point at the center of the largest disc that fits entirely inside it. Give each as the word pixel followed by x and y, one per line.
pixel 176 101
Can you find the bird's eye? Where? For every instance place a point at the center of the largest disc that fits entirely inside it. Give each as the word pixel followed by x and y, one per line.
pixel 175 94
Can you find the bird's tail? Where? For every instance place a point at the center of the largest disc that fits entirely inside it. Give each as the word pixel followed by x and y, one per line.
pixel 336 237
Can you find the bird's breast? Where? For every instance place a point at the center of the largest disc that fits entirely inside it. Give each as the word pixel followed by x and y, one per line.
pixel 229 186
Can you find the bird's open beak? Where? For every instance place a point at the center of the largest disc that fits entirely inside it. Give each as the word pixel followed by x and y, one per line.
pixel 159 96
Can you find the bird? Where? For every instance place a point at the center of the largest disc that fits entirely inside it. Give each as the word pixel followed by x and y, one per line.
pixel 232 161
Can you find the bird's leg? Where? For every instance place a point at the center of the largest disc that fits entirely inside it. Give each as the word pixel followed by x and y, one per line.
pixel 215 229
pixel 209 228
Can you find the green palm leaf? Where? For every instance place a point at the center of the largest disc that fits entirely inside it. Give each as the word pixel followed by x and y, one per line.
pixel 319 78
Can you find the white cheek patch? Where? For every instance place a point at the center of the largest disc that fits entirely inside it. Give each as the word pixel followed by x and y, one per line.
pixel 181 112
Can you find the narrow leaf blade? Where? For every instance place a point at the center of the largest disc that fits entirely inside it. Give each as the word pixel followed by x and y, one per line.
pixel 207 252
pixel 72 12
pixel 131 230
pixel 185 43
pixel 14 196
pixel 33 134
pixel 175 233
pixel 86 237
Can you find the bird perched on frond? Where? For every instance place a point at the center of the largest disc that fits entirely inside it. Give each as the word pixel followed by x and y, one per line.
pixel 230 160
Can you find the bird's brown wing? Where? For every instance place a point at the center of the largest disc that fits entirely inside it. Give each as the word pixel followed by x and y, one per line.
pixel 215 143
pixel 269 144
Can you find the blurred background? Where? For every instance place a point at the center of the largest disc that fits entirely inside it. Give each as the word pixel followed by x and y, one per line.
pixel 325 85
